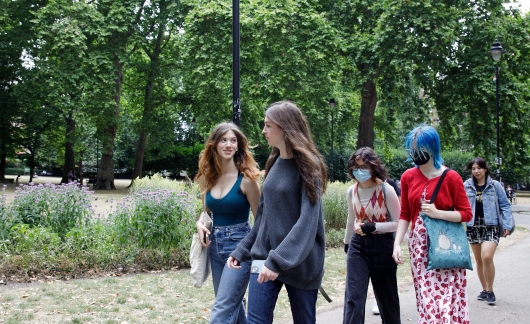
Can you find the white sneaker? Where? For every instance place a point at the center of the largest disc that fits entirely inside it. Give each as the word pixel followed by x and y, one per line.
pixel 375 308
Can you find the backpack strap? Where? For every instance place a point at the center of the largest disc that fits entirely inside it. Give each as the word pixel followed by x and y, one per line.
pixel 384 199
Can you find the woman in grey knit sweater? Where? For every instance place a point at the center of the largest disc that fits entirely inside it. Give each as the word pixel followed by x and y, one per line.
pixel 288 234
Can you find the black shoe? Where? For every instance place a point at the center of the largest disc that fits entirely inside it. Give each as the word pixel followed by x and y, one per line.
pixel 483 295
pixel 491 298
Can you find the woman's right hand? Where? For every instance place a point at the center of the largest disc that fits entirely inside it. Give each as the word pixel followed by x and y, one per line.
pixel 232 263
pixel 398 254
pixel 204 234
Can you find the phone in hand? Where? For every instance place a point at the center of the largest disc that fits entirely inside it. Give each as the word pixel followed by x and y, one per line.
pixel 256 266
pixel 206 238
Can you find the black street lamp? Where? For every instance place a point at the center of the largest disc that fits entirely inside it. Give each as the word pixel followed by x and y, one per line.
pixel 236 93
pixel 193 123
pixel 332 106
pixel 496 54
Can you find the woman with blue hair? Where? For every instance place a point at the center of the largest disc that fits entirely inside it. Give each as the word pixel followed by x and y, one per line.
pixel 441 294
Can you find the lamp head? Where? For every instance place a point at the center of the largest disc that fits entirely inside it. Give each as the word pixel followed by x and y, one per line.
pixel 332 103
pixel 496 51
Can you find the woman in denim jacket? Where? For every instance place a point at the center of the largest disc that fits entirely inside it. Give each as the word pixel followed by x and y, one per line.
pixel 488 202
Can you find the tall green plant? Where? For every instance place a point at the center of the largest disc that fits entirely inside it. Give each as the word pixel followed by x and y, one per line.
pixel 156 218
pixel 60 207
pixel 335 205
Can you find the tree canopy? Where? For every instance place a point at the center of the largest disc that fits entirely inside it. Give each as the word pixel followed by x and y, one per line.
pixel 117 84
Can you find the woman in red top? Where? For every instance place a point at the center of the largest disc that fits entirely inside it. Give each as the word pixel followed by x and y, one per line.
pixel 441 294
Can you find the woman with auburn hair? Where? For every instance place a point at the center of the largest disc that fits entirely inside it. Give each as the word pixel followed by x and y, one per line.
pixel 287 243
pixel 228 178
pixel 488 203
pixel 441 294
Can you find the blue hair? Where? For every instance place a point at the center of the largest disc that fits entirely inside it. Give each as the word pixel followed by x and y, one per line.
pixel 424 139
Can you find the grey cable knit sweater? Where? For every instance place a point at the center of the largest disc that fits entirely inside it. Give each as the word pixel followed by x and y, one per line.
pixel 289 230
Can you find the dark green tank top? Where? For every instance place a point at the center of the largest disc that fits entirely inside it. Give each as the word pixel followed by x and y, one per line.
pixel 231 209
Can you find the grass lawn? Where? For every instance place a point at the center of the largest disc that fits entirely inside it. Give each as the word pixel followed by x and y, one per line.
pixel 157 297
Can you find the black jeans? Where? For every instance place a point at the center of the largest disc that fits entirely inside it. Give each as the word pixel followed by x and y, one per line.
pixel 370 257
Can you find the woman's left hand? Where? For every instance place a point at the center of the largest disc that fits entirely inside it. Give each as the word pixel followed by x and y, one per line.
pixel 506 233
pixel 430 210
pixel 266 274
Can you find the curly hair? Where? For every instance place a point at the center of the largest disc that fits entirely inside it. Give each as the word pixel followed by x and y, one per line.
pixel 209 165
pixel 370 158
pixel 299 142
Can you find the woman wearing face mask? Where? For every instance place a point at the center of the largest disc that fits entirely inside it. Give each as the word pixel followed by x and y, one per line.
pixel 372 218
pixel 441 294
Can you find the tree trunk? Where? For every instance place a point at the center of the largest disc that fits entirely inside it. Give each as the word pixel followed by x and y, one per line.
pixel 105 179
pixel 139 156
pixel 31 163
pixel 148 105
pixel 366 119
pixel 69 153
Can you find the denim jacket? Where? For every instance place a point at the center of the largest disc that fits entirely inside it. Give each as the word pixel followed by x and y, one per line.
pixel 491 212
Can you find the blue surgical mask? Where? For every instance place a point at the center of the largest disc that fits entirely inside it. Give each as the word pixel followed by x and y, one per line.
pixel 361 175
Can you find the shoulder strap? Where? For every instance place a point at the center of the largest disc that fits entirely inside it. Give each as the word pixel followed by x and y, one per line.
pixel 384 199
pixel 435 193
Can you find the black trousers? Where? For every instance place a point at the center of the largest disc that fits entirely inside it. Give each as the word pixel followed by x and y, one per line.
pixel 370 257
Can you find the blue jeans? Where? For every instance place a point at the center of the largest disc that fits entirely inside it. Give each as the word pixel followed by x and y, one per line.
pixel 229 285
pixel 262 300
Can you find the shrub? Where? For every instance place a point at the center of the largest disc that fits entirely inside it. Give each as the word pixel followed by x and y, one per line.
pixel 156 218
pixel 26 239
pixel 7 219
pixel 334 238
pixel 60 207
pixel 93 244
pixel 335 205
pixel 156 182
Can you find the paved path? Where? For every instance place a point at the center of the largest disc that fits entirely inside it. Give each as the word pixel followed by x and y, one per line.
pixel 512 288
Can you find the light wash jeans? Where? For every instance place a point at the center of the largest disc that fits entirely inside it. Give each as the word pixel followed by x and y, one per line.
pixel 229 285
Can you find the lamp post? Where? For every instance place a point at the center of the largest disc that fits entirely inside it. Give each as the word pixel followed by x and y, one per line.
pixel 193 123
pixel 332 106
pixel 496 54
pixel 236 94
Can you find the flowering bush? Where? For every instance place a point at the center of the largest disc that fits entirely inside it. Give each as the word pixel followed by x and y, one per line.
pixel 156 218
pixel 158 182
pixel 60 207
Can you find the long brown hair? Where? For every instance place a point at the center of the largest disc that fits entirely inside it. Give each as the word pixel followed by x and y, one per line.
pixel 299 142
pixel 209 166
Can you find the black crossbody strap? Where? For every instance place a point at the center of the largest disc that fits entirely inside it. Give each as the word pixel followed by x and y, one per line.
pixel 433 197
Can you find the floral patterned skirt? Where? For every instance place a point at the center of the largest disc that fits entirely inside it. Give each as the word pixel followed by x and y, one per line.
pixel 441 294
